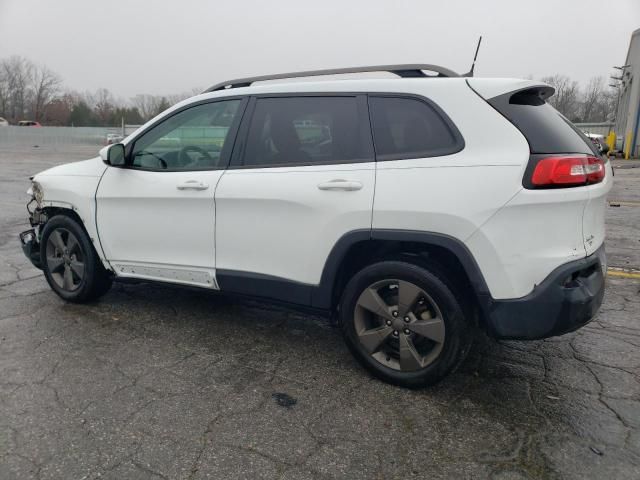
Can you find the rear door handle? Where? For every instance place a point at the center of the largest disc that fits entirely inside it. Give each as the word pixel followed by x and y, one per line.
pixel 192 185
pixel 339 184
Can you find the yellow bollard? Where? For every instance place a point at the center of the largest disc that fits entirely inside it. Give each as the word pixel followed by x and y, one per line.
pixel 611 141
pixel 627 146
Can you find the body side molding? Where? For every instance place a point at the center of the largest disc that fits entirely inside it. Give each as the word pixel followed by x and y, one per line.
pixel 264 286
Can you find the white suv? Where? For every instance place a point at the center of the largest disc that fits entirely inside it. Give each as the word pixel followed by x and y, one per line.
pixel 411 208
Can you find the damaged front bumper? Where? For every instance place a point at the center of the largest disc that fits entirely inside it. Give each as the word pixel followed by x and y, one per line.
pixel 31 247
pixel 29 238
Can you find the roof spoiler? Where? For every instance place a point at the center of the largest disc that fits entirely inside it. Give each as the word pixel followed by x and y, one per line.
pixel 489 88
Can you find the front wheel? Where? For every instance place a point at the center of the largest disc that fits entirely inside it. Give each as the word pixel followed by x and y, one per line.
pixel 70 263
pixel 404 324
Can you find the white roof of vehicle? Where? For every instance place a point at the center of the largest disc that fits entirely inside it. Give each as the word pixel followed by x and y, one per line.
pixel 487 87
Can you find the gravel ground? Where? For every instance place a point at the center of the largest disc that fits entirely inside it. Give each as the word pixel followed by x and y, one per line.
pixel 158 382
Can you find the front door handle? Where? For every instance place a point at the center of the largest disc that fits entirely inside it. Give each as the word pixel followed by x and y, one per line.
pixel 339 184
pixel 192 185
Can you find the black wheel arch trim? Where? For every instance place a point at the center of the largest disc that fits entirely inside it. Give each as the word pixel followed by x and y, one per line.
pixel 321 296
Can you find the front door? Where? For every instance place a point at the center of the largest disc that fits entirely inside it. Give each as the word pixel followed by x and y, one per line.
pixel 156 216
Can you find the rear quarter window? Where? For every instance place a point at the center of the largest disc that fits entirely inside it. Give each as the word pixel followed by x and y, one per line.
pixel 406 128
pixel 546 129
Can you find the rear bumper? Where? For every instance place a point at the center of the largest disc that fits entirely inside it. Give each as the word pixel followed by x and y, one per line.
pixel 565 301
pixel 31 247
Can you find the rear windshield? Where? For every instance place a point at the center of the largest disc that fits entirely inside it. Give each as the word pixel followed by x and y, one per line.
pixel 546 130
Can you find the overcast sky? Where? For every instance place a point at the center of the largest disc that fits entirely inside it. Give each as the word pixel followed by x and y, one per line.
pixel 169 46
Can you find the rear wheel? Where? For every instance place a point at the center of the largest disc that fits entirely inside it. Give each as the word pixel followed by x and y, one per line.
pixel 404 324
pixel 70 263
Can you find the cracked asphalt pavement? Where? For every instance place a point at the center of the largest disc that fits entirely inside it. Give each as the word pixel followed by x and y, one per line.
pixel 157 382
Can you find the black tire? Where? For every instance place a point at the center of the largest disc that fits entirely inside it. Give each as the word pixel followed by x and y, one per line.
pixel 444 359
pixel 95 280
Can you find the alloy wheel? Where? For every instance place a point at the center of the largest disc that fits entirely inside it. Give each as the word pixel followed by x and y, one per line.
pixel 399 325
pixel 65 259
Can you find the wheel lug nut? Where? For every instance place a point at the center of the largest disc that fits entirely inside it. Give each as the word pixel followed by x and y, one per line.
pixel 395 314
pixel 395 333
pixel 407 331
pixel 407 319
pixel 389 322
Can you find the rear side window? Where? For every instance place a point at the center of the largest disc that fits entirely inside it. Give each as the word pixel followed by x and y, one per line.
pixel 287 131
pixel 546 129
pixel 411 128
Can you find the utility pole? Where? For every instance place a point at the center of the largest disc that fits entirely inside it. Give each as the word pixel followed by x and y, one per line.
pixel 619 82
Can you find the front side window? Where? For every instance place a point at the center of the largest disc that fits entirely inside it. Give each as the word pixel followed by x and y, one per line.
pixel 410 128
pixel 192 139
pixel 305 131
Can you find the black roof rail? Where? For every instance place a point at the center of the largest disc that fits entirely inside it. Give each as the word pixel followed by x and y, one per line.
pixel 405 71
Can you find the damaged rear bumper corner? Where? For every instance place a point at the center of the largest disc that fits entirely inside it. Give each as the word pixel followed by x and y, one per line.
pixel 565 301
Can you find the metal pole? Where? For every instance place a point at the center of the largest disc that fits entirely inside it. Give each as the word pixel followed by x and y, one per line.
pixel 615 120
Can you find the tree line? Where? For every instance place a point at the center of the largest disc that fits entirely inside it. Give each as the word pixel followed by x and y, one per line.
pixel 595 102
pixel 35 92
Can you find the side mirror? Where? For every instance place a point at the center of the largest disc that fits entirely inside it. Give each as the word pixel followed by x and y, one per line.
pixel 113 155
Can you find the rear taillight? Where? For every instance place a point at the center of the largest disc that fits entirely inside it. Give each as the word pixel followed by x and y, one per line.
pixel 595 169
pixel 567 171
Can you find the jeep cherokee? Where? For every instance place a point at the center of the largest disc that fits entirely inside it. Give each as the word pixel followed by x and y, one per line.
pixel 413 209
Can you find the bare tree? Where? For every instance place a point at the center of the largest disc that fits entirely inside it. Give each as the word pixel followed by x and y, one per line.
pixel 16 78
pixel 592 100
pixel 4 92
pixel 151 105
pixel 146 104
pixel 45 86
pixel 566 99
pixel 29 91
pixel 173 99
pixel 104 105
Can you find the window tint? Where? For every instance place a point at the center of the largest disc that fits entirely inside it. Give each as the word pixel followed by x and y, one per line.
pixel 410 128
pixel 190 140
pixel 546 130
pixel 306 130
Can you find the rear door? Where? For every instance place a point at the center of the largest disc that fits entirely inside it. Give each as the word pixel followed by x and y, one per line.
pixel 302 176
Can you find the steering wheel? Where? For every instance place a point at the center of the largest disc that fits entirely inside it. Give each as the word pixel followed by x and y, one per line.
pixel 186 160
